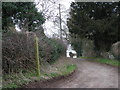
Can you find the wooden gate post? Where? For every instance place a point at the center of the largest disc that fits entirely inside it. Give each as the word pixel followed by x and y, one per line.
pixel 37 55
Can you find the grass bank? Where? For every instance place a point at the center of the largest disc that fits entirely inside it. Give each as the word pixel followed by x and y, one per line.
pixel 103 60
pixel 61 67
pixel 108 61
pixel 66 70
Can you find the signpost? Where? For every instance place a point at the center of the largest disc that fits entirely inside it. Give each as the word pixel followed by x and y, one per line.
pixel 37 55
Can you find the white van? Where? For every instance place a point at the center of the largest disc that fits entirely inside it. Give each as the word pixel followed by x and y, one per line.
pixel 71 51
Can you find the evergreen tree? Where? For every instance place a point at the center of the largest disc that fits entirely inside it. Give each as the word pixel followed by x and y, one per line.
pixel 98 21
pixel 24 14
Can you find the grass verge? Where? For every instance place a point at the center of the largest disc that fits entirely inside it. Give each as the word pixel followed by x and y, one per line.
pixel 103 60
pixel 66 70
pixel 108 61
pixel 82 57
pixel 16 81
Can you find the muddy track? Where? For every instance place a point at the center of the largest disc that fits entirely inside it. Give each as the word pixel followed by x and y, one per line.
pixel 88 75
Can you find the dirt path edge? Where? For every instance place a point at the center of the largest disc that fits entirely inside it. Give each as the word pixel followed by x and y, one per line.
pixel 43 83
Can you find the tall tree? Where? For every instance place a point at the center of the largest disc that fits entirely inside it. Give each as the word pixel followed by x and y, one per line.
pixel 97 21
pixel 24 14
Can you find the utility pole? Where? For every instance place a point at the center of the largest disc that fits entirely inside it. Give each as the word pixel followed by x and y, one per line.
pixel 60 23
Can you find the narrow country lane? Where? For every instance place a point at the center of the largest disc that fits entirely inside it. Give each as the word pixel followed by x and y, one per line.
pixel 88 75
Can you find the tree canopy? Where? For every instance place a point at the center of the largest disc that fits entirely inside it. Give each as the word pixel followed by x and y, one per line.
pixel 24 14
pixel 98 21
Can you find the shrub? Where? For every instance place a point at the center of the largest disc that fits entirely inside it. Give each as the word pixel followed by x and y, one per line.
pixel 77 44
pixel 115 49
pixel 88 48
pixel 83 47
pixel 50 49
pixel 17 52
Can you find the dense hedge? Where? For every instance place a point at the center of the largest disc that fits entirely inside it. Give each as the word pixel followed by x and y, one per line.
pixel 49 49
pixel 83 47
pixel 77 45
pixel 57 49
pixel 18 50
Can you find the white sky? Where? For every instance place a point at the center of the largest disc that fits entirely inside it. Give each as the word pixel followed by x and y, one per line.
pixel 49 26
pixel 66 3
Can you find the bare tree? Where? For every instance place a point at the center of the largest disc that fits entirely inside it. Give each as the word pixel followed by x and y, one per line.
pixel 50 9
pixel 47 7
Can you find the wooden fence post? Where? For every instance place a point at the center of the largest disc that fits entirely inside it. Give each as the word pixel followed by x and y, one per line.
pixel 37 55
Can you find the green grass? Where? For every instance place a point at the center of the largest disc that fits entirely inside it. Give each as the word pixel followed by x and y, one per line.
pixel 68 69
pixel 51 75
pixel 26 77
pixel 87 57
pixel 15 81
pixel 11 85
pixel 62 71
pixel 0 78
pixel 108 61
pixel 103 60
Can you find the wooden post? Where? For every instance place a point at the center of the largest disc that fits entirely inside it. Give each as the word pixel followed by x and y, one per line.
pixel 37 55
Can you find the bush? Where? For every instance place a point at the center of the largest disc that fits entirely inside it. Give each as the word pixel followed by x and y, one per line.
pixel 83 47
pixel 50 49
pixel 17 52
pixel 115 49
pixel 88 48
pixel 77 44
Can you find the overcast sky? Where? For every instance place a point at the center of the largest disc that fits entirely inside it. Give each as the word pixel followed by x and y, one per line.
pixel 49 26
